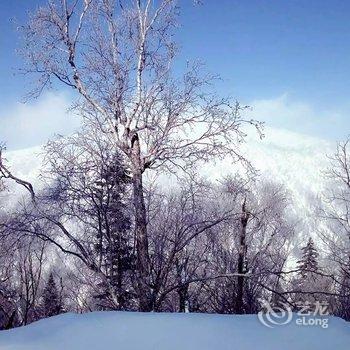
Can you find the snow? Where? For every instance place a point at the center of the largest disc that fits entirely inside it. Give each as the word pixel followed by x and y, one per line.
pixel 297 161
pixel 26 163
pixel 164 331
pixel 293 159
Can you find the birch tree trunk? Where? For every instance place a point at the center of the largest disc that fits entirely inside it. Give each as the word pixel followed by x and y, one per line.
pixel 241 260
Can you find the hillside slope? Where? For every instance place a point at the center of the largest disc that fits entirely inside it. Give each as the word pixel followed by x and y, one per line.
pixel 134 331
pixel 294 160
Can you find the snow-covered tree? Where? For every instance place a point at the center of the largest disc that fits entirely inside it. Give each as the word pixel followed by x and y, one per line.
pixel 311 284
pixel 343 301
pixel 118 59
pixel 52 303
pixel 308 264
pixel 91 190
pixel 118 257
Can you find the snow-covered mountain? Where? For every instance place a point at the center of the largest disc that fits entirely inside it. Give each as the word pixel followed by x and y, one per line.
pixel 295 160
pixel 26 163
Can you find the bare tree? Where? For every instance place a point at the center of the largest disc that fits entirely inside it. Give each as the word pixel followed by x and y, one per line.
pixel 83 209
pixel 9 315
pixel 251 249
pixel 23 260
pixel 30 269
pixel 242 252
pixel 8 293
pixel 334 213
pixel 179 222
pixel 118 58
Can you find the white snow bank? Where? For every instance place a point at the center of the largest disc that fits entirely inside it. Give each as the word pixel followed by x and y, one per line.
pixel 134 331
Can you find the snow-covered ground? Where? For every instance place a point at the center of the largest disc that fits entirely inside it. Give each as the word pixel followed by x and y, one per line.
pixel 135 331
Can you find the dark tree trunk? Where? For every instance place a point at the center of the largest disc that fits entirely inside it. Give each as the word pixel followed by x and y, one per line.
pixel 183 297
pixel 10 323
pixel 241 260
pixel 143 271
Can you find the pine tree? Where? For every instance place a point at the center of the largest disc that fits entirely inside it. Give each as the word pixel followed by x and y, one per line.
pixel 51 299
pixel 309 261
pixel 113 241
pixel 309 280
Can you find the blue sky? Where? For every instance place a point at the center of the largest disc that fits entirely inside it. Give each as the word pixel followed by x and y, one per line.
pixel 294 54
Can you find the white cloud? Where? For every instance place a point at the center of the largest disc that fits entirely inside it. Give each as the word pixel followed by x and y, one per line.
pixel 299 116
pixel 27 125
pixel 281 108
pixel 31 124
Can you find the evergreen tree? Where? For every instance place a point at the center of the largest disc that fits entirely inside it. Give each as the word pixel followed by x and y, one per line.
pixel 309 280
pixel 51 299
pixel 113 237
pixel 309 261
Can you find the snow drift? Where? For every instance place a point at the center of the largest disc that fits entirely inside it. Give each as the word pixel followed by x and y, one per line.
pixel 150 331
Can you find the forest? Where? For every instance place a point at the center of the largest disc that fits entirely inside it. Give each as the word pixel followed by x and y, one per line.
pixel 122 215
